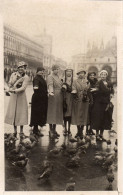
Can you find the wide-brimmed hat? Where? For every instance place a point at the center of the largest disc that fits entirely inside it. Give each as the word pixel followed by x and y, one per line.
pixel 81 70
pixel 22 63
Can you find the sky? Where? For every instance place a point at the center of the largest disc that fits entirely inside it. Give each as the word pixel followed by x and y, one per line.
pixel 71 23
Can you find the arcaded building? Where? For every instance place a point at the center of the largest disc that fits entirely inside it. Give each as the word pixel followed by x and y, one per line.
pixel 18 46
pixel 98 58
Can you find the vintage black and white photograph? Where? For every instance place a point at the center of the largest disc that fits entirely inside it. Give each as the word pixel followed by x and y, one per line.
pixel 60 95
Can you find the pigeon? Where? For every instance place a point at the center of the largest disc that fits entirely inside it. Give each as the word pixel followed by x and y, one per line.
pixel 80 142
pixel 93 141
pixel 71 151
pixel 16 150
pixel 11 137
pixel 29 144
pixel 77 156
pixel 6 135
pixel 20 157
pixel 26 141
pixel 115 149
pixel 33 144
pixel 87 139
pixel 72 163
pixel 46 163
pixel 85 146
pixel 55 150
pixel 116 142
pixel 63 146
pixel 17 157
pixel 47 173
pixel 21 163
pixel 71 139
pixel 110 176
pixel 108 142
pixel 99 159
pixel 108 162
pixel 113 131
pixel 7 93
pixel 33 138
pixel 70 186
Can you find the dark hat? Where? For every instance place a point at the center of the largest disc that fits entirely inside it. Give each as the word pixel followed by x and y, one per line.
pixel 40 69
pixel 54 67
pixel 91 73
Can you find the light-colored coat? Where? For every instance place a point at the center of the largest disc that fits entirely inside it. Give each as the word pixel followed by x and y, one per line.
pixel 17 112
pixel 79 108
pixel 55 103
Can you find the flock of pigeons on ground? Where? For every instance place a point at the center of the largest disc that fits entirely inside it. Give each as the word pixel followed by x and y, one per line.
pixel 18 154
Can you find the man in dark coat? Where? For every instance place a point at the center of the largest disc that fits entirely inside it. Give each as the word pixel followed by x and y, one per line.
pixel 39 101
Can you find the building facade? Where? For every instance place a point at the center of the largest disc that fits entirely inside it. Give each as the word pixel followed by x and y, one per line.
pixel 98 58
pixel 17 47
pixel 46 41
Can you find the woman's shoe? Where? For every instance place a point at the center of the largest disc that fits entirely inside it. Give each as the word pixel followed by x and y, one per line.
pixel 65 133
pixel 69 133
pixel 87 133
pixel 77 135
pixel 40 134
pixel 103 139
pixel 51 134
pixel 92 133
pixel 56 134
pixel 98 138
pixel 81 136
pixel 15 134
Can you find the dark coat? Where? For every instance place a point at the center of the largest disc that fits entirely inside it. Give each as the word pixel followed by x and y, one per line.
pixel 67 100
pixel 101 114
pixel 92 96
pixel 39 102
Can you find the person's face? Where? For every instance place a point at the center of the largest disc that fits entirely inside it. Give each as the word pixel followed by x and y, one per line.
pixel 103 76
pixel 41 73
pixel 92 76
pixel 56 71
pixel 22 69
pixel 81 75
pixel 68 73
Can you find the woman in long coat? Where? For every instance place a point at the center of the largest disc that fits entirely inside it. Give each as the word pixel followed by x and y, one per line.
pixel 101 115
pixel 55 101
pixel 80 102
pixel 92 95
pixel 39 101
pixel 17 112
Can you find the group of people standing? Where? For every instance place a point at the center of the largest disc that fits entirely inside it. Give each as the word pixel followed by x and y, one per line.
pixel 84 101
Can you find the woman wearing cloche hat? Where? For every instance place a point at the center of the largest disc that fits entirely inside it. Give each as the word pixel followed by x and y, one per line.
pixel 101 114
pixel 55 101
pixel 17 112
pixel 39 102
pixel 80 102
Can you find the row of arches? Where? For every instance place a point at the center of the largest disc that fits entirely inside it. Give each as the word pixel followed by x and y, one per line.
pixel 112 75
